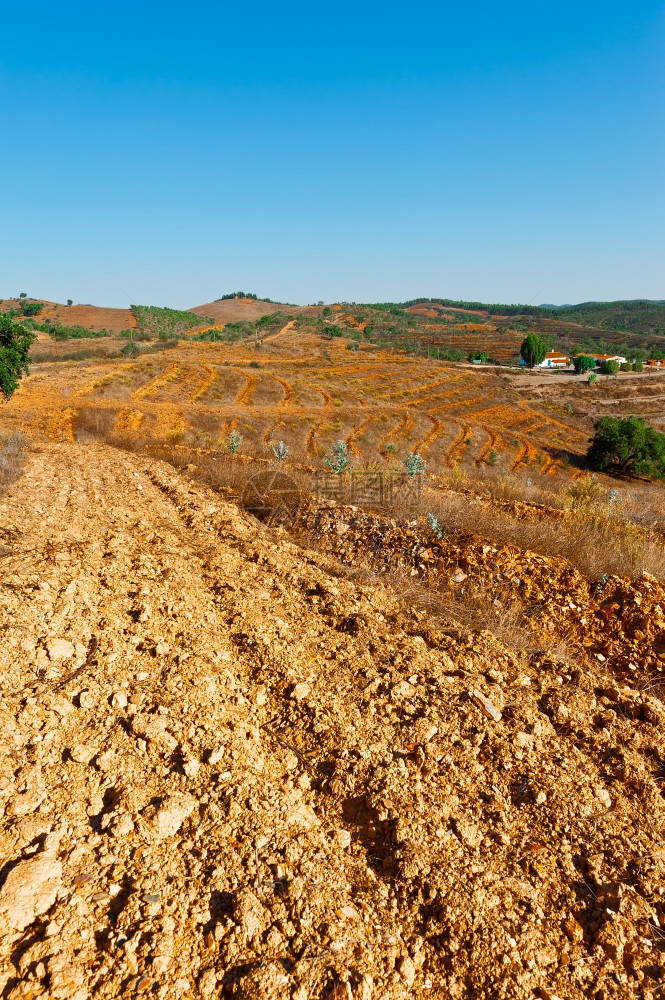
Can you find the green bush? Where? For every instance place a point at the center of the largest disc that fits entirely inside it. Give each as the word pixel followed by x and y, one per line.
pixel 414 465
pixel 628 445
pixel 638 366
pixel 626 366
pixel 339 460
pixel 479 356
pixel 15 344
pixel 584 363
pixel 609 368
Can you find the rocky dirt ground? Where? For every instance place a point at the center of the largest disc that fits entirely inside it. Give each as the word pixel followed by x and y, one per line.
pixel 227 770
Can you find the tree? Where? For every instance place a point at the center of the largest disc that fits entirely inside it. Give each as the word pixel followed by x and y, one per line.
pixel 15 344
pixel 533 349
pixel 70 302
pixel 479 356
pixel 584 363
pixel 628 445
pixel 609 367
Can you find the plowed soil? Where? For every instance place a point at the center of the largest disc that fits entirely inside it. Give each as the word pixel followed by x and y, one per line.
pixel 228 770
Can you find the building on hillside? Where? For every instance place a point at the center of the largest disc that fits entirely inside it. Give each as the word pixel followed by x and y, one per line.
pixel 656 364
pixel 553 359
pixel 605 357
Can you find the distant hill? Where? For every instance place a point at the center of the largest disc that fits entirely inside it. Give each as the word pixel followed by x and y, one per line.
pixel 236 310
pixel 624 315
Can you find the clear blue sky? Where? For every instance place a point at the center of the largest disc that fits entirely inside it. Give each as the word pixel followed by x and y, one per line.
pixel 167 153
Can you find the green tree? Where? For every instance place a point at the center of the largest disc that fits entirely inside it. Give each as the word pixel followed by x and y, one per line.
pixel 70 302
pixel 533 349
pixel 479 356
pixel 638 366
pixel 609 368
pixel 629 445
pixel 15 344
pixel 584 363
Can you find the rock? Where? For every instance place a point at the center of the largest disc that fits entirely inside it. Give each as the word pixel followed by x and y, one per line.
pixel 122 826
pixel 153 729
pixel 119 699
pixel 300 691
pixel 603 796
pixel 208 982
pixel 60 649
pixel 215 756
pixel 467 832
pixel 82 753
pixel 250 913
pixel 268 982
pixel 486 706
pixel 171 814
pixel 458 577
pixel 573 930
pixel 343 838
pixel 406 969
pixel 30 890
pixel 402 690
pixel 191 767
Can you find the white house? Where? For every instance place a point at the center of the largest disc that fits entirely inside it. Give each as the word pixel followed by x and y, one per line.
pixel 553 359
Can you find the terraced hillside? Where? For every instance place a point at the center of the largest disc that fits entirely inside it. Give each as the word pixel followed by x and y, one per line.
pixel 308 392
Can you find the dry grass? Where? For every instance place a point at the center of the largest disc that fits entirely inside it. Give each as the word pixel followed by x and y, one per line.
pixel 577 523
pixel 13 452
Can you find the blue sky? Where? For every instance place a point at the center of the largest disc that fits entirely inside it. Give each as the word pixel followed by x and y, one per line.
pixel 166 154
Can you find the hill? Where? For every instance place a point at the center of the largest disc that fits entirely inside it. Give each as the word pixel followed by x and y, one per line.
pixel 229 769
pixel 241 310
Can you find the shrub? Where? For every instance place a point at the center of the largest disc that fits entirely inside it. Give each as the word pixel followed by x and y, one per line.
pixel 435 525
pixel 414 465
pixel 626 366
pixel 584 363
pixel 533 349
pixel 233 442
pixel 31 308
pixel 339 460
pixel 479 356
pixel 493 457
pixel 167 324
pixel 609 367
pixel 280 451
pixel 628 445
pixel 129 350
pixel 592 378
pixel 638 366
pixel 15 344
